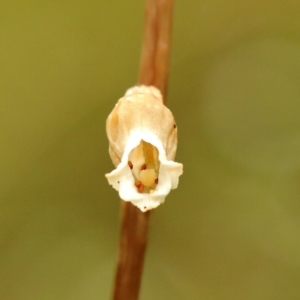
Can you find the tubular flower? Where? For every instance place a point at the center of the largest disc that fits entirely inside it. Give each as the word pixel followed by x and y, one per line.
pixel 142 138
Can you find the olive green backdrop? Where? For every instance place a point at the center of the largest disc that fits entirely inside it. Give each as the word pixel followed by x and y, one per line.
pixel 231 230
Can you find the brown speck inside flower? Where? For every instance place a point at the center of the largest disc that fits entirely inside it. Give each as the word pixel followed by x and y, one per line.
pixel 144 164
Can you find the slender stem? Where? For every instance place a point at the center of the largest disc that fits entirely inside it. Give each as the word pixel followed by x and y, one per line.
pixel 134 223
pixel 154 68
pixel 133 242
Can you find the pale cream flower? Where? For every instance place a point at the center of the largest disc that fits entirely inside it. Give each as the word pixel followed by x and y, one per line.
pixel 142 136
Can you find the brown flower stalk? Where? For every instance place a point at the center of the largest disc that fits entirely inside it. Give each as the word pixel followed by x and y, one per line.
pixel 134 223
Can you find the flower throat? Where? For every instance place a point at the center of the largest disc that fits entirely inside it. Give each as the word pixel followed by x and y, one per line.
pixel 144 164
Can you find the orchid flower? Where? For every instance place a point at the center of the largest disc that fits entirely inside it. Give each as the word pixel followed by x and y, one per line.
pixel 142 138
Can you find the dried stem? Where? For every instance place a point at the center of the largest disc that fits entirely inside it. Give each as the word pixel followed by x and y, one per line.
pixel 134 225
pixel 156 44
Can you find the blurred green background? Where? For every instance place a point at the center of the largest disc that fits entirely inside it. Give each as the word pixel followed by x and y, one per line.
pixel 231 230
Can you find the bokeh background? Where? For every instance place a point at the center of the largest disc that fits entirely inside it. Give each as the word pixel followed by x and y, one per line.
pixel 231 230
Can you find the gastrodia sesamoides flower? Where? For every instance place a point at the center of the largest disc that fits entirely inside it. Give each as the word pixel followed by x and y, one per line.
pixel 142 136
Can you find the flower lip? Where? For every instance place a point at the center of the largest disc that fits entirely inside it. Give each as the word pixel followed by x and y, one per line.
pixel 123 180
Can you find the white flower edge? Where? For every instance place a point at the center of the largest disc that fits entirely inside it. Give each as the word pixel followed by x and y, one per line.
pixel 123 181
